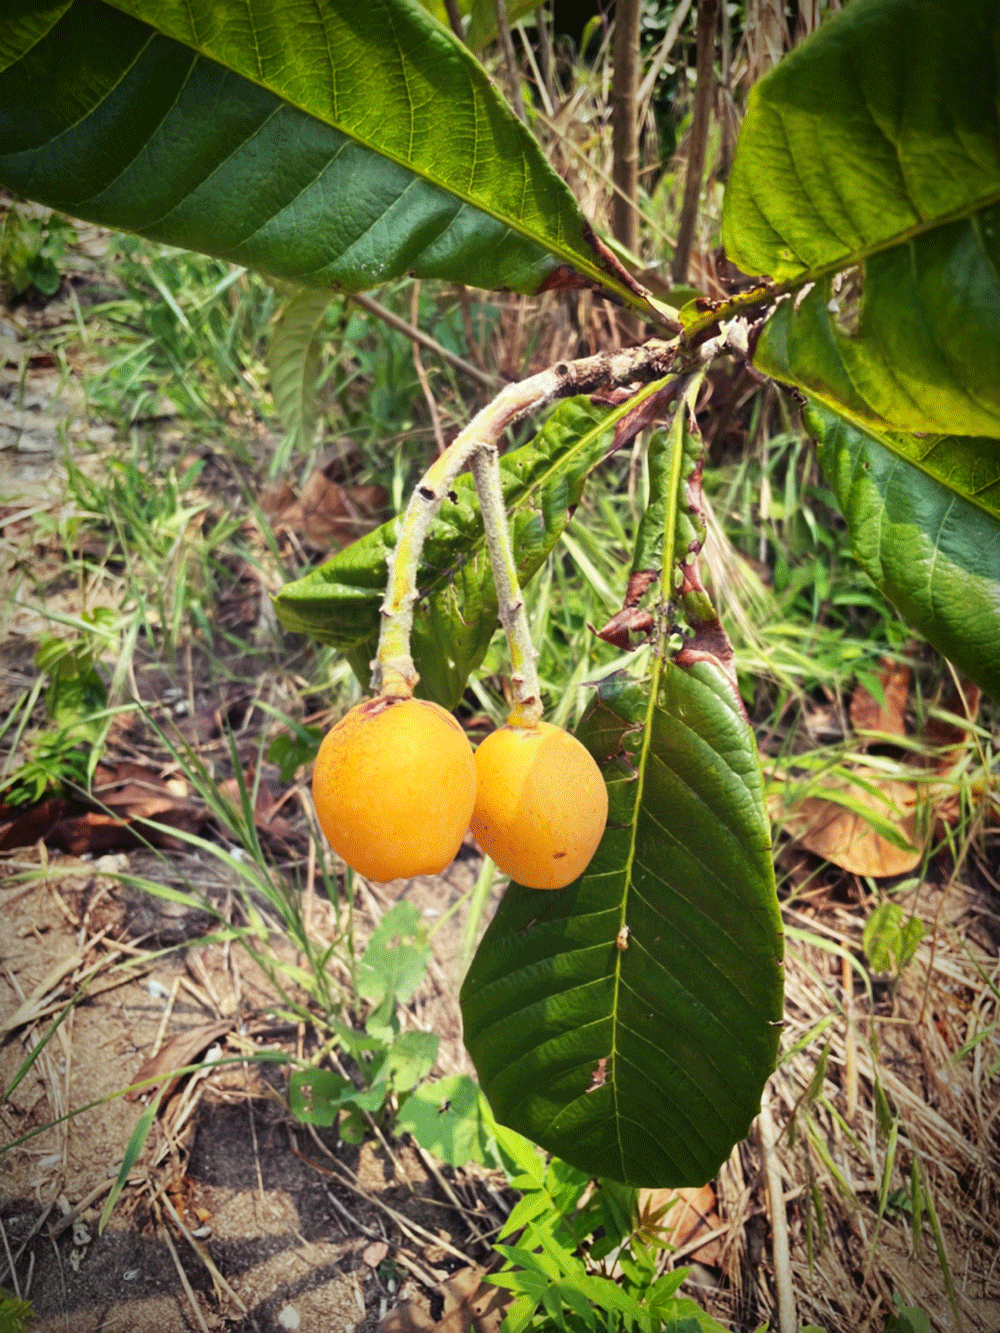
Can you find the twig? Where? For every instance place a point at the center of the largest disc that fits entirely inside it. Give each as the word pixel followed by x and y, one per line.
pixel 545 55
pixel 509 58
pixel 188 1290
pixel 424 339
pixel 536 72
pixel 454 18
pixel 424 1275
pixel 442 1184
pixel 418 366
pixel 787 1318
pixel 161 1031
pixel 850 1044
pixel 206 1259
pixel 393 671
pixel 346 1176
pixel 663 51
pixel 624 135
pixel 707 13
pixel 527 690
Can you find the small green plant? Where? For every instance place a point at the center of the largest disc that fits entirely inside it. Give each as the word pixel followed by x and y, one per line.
pixel 16 1315
pixel 31 248
pixel 584 1257
pixel 388 1062
pixel 890 938
pixel 63 756
pixel 907 1319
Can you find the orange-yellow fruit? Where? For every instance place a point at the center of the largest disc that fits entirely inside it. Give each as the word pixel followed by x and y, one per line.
pixel 541 805
pixel 394 785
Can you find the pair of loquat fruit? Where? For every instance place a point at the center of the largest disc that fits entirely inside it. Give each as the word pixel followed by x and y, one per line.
pixel 396 785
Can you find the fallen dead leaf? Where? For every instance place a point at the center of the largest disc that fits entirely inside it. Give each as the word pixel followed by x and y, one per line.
pixel 176 1053
pixel 326 514
pixel 867 714
pixel 374 1253
pixel 687 1213
pixel 266 805
pixel 847 839
pixel 470 1306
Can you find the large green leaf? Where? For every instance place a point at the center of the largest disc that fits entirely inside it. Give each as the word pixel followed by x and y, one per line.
pixel 910 343
pixel 339 143
pixel 640 1054
pixel 924 518
pixel 873 153
pixel 883 125
pixel 456 616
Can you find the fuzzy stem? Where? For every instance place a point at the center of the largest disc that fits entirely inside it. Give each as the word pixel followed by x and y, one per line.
pixel 393 672
pixel 527 710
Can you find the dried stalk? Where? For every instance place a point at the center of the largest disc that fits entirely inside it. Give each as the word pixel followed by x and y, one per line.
pixel 624 130
pixel 509 58
pixel 783 1281
pixel 424 339
pixel 707 14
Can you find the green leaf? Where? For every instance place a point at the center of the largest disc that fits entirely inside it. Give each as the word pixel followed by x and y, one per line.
pixel 890 939
pixel 870 133
pixel 315 1096
pixel 395 958
pixel 335 143
pixel 641 1057
pixel 450 1118
pixel 456 616
pixel 409 1059
pixel 135 1145
pixel 908 1319
pixel 911 342
pixel 924 519
pixel 869 162
pixel 16 1316
pixel 294 362
pixel 291 752
pixel 483 20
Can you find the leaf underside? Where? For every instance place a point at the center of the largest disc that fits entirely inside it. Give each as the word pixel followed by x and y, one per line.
pixel 628 1022
pixel 294 359
pixel 883 125
pixel 868 172
pixel 869 164
pixel 924 519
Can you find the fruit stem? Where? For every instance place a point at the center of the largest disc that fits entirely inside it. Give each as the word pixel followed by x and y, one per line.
pixel 393 671
pixel 527 710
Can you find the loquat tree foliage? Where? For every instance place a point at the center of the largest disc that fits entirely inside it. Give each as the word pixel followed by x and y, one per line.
pixel 628 1020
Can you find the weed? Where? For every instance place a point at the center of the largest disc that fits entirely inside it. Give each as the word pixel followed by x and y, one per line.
pixel 33 242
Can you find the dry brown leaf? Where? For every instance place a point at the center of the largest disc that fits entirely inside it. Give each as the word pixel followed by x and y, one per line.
pixel 470 1306
pixel 940 733
pixel 265 805
pixel 326 514
pixel 690 1211
pixel 867 714
pixel 846 839
pixel 179 1051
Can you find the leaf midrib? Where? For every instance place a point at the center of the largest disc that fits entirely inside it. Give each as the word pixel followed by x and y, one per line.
pixel 965 212
pixel 885 440
pixel 558 248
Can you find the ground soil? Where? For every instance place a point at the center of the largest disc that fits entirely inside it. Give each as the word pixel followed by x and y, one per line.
pixel 270 1209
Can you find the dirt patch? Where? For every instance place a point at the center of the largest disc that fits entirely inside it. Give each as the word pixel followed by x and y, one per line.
pixel 266 1219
